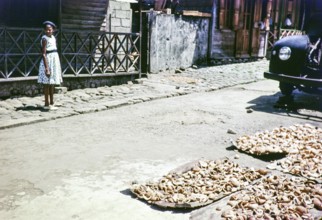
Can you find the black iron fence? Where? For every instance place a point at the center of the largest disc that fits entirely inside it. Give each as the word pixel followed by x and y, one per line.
pixel 82 53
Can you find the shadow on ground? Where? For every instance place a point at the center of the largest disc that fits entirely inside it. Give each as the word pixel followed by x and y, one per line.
pixel 267 158
pixel 299 105
pixel 128 192
pixel 31 108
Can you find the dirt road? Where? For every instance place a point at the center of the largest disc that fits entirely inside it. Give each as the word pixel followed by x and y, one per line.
pixel 81 167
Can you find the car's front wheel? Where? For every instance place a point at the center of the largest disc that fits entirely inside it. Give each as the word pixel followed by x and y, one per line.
pixel 286 89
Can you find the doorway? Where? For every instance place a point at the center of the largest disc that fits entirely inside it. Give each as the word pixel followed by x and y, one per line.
pixel 248 28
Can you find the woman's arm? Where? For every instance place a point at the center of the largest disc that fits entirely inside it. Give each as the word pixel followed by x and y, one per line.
pixel 44 57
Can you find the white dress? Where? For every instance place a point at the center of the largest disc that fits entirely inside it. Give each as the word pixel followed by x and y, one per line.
pixel 53 64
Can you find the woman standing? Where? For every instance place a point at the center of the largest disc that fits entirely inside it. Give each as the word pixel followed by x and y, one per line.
pixel 50 73
pixel 288 21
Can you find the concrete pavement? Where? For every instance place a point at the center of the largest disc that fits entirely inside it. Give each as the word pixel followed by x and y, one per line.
pixel 26 110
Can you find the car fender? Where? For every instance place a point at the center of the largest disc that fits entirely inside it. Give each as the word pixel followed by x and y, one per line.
pixel 299 45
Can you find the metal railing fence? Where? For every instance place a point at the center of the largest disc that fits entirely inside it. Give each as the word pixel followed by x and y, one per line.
pixel 82 53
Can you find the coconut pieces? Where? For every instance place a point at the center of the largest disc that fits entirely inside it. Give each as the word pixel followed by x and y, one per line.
pixel 275 197
pixel 201 184
pixel 307 162
pixel 279 140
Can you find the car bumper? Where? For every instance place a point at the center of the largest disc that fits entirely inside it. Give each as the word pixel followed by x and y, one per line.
pixel 308 82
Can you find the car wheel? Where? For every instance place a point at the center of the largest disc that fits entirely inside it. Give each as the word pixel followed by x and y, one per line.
pixel 286 89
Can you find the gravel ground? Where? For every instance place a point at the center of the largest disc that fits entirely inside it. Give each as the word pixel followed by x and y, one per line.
pixel 81 167
pixel 25 110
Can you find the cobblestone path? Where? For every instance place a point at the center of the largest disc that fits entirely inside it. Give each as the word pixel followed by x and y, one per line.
pixel 26 110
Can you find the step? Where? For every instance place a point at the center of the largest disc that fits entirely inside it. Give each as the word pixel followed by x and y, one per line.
pixel 93 13
pixel 81 17
pixel 81 28
pixel 85 4
pixel 75 2
pixel 84 8
pixel 81 22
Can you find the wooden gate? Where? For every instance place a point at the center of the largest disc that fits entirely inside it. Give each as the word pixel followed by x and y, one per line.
pixel 246 26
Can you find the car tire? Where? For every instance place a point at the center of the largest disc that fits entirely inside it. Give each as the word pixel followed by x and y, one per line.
pixel 286 89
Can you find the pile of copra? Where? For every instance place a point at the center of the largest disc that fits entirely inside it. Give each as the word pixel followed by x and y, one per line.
pixel 307 162
pixel 275 197
pixel 201 184
pixel 279 140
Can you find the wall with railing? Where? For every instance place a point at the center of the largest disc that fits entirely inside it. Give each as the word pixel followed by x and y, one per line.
pixel 82 53
pixel 89 59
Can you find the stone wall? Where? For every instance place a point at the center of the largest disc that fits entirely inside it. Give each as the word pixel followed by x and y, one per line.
pixel 20 88
pixel 119 16
pixel 177 41
pixel 32 88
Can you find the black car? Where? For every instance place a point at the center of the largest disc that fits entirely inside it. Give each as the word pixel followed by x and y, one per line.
pixel 296 61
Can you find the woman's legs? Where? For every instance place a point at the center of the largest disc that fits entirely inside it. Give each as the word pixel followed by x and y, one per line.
pixel 49 96
pixel 51 93
pixel 46 93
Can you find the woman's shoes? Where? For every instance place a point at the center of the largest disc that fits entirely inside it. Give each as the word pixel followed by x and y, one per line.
pixel 50 107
